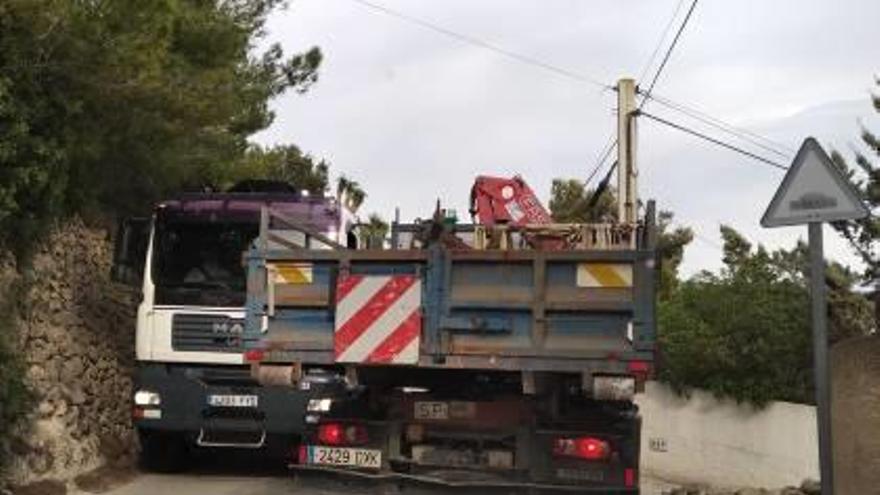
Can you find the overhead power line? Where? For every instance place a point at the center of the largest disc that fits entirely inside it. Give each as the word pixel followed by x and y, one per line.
pixel 471 40
pixel 708 241
pixel 669 51
pixel 758 140
pixel 610 147
pixel 660 41
pixel 506 53
pixel 612 141
pixel 713 140
pixel 751 137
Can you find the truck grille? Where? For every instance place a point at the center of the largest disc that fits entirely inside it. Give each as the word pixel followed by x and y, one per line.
pixel 212 333
pixel 228 376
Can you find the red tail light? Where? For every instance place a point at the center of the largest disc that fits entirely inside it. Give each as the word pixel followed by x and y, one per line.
pixel 589 448
pixel 641 367
pixel 254 355
pixel 341 434
pixel 629 477
pixel 330 434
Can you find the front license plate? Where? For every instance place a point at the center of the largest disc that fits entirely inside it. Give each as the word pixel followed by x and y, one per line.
pixel 343 456
pixel 233 400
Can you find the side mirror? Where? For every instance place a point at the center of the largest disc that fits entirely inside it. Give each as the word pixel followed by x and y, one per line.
pixel 130 251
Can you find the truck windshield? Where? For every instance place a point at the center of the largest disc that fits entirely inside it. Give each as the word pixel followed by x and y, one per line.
pixel 198 263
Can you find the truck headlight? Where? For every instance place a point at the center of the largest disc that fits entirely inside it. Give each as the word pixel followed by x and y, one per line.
pixel 319 405
pixel 147 398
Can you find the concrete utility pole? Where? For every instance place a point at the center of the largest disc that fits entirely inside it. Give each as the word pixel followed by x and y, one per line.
pixel 627 172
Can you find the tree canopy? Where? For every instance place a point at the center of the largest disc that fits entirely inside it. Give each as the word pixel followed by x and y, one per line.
pixel 351 193
pixel 863 235
pixel 374 232
pixel 285 163
pixel 570 202
pixel 106 106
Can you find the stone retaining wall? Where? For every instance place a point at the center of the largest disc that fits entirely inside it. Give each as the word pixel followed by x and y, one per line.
pixel 855 415
pixel 76 337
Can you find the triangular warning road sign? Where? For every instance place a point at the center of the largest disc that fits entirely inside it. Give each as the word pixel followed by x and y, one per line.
pixel 813 190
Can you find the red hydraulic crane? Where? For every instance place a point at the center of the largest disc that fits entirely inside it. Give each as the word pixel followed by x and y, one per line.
pixel 497 200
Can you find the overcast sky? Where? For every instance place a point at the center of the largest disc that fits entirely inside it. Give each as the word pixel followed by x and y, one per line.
pixel 414 115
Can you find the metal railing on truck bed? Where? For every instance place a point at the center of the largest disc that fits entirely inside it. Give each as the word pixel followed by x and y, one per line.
pixel 477 298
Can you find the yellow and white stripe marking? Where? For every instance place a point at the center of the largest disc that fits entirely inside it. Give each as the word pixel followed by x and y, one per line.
pixel 293 273
pixel 604 275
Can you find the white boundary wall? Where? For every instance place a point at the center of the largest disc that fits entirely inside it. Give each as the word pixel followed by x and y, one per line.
pixel 720 443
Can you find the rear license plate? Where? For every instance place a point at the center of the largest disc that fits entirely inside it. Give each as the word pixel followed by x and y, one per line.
pixel 233 400
pixel 431 410
pixel 580 474
pixel 343 456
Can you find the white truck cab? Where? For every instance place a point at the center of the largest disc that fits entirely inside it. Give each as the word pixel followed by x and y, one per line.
pixel 192 385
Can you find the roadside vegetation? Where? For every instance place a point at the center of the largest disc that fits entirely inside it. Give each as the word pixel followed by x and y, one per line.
pixel 745 333
pixel 107 106
pixel 863 235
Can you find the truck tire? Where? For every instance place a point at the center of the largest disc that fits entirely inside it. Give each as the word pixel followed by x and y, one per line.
pixel 163 452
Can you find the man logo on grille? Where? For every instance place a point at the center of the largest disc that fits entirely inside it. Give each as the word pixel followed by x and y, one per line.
pixel 227 333
pixel 225 328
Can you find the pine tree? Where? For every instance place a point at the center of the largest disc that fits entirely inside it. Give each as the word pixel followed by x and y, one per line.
pixel 864 234
pixel 107 106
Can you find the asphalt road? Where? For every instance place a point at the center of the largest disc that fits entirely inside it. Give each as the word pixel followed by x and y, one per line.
pixel 219 484
pixel 244 481
pixel 242 473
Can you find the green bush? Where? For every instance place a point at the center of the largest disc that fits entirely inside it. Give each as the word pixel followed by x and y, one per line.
pixel 737 338
pixel 745 332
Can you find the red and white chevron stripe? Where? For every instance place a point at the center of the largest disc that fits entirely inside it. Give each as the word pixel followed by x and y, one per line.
pixel 378 319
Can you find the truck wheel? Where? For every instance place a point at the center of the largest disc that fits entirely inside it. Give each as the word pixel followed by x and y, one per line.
pixel 163 452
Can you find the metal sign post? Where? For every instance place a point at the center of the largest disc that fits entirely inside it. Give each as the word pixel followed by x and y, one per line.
pixel 813 192
pixel 820 356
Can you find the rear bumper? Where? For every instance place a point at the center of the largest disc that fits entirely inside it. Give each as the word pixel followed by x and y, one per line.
pixel 529 465
pixel 184 392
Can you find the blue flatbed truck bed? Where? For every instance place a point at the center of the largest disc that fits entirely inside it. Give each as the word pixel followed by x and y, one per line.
pixel 483 362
